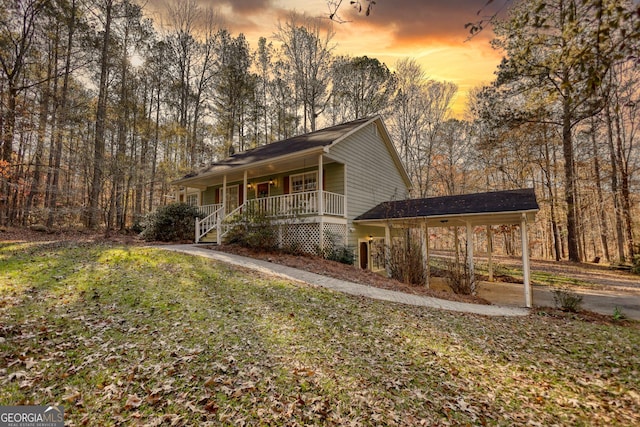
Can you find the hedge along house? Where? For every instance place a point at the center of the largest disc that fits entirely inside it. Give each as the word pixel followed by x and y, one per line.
pixel 342 185
pixel 312 185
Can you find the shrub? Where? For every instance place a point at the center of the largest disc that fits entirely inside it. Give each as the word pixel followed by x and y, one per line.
pixel 618 314
pixel 635 268
pixel 406 263
pixel 566 300
pixel 334 251
pixel 459 278
pixel 170 223
pixel 253 229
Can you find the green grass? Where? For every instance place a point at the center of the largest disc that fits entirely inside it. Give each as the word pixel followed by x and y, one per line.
pixel 132 335
pixel 537 277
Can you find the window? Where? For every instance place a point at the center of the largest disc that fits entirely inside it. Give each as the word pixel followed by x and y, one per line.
pixel 233 197
pixel 192 199
pixel 304 182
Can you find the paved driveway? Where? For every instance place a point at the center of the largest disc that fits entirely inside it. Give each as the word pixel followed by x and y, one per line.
pixel 603 301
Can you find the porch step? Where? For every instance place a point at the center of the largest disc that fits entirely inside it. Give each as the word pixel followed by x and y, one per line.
pixel 210 237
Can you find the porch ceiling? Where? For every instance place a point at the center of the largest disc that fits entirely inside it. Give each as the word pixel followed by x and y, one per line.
pixel 256 170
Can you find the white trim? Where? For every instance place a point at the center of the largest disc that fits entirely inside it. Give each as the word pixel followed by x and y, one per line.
pixel 470 266
pixel 345 191
pixel 480 215
pixel 526 273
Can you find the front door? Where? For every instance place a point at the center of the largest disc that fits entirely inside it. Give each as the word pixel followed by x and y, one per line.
pixel 364 255
pixel 262 190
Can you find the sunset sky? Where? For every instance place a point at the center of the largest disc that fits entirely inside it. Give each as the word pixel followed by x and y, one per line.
pixel 432 32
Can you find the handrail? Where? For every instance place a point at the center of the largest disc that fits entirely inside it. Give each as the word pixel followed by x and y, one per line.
pixel 208 223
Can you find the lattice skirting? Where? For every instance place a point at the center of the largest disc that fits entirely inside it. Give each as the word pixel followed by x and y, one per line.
pixel 306 237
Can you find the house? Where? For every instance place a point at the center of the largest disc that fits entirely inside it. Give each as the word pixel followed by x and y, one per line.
pixel 315 184
pixel 342 185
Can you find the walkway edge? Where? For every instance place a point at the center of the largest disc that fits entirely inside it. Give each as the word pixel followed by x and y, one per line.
pixel 307 277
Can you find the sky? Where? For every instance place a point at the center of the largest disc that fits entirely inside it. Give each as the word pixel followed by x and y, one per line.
pixel 431 32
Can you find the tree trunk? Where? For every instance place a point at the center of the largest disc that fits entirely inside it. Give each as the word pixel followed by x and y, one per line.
pixel 123 113
pixel 614 187
pixel 569 189
pixel 56 155
pixel 624 190
pixel 34 187
pixel 154 157
pixel 101 115
pixel 600 206
pixel 557 243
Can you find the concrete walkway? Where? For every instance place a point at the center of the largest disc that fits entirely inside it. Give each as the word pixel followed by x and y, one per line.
pixel 343 286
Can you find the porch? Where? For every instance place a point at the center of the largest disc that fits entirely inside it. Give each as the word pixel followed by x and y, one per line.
pixel 303 207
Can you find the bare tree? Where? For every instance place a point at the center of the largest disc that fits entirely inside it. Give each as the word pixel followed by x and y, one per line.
pixel 362 87
pixel 308 53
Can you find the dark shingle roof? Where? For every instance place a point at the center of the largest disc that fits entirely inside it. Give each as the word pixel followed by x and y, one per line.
pixel 491 202
pixel 317 139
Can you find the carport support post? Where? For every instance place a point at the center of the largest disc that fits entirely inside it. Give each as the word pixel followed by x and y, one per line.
pixel 528 295
pixel 472 276
pixel 424 245
pixel 490 251
pixel 387 248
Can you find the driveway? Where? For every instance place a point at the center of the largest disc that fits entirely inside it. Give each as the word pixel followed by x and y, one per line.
pixel 599 300
pixel 603 288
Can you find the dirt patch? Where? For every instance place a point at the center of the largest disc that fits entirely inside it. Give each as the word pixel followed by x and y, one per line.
pixel 345 272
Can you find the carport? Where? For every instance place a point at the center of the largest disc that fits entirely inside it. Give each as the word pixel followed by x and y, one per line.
pixel 511 207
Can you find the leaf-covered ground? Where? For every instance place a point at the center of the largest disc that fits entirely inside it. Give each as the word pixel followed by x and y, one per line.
pixel 124 335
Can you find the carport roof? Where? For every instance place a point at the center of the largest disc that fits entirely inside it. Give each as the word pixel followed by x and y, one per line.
pixel 496 207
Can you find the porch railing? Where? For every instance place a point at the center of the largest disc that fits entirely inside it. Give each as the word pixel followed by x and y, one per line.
pixel 333 203
pixel 209 209
pixel 284 206
pixel 306 203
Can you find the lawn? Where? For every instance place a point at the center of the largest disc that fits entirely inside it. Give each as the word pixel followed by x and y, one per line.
pixel 123 335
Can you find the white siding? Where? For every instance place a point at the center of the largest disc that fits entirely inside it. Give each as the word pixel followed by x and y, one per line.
pixel 372 175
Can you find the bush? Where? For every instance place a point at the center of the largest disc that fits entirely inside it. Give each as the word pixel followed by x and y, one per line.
pixel 334 251
pixel 170 223
pixel 459 278
pixel 406 264
pixel 635 268
pixel 618 314
pixel 566 300
pixel 253 230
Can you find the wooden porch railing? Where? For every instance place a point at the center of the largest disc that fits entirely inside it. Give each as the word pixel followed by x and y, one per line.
pixel 284 206
pixel 306 203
